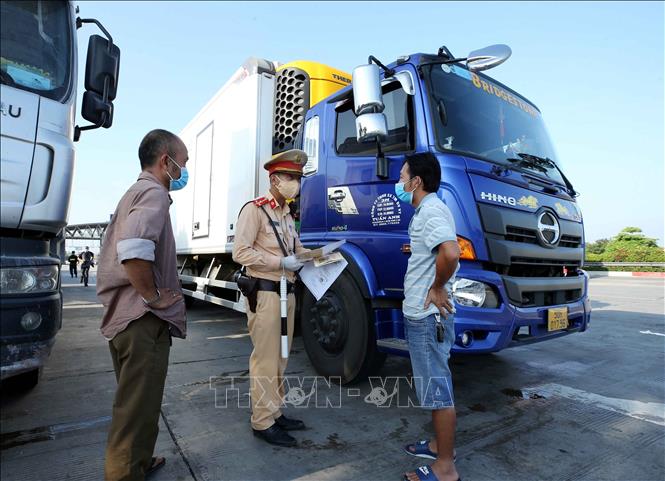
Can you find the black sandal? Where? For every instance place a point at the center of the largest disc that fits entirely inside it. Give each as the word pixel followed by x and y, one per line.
pixel 155 466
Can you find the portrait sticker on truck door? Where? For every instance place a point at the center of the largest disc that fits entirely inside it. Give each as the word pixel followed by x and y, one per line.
pixel 341 201
pixel 386 210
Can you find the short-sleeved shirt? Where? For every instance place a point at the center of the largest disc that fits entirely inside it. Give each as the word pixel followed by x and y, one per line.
pixel 255 245
pixel 431 225
pixel 140 229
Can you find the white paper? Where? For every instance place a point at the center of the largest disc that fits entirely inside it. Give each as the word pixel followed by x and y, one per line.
pixel 321 251
pixel 327 249
pixel 319 279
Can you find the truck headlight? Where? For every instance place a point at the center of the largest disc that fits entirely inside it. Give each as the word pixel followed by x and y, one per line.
pixel 467 292
pixel 29 280
pixel 31 321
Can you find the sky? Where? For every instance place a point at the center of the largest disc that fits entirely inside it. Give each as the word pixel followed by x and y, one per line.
pixel 595 70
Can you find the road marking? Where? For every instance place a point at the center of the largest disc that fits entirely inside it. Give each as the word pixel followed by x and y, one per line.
pixel 208 321
pixel 82 306
pixel 230 336
pixel 610 297
pixel 652 333
pixel 646 411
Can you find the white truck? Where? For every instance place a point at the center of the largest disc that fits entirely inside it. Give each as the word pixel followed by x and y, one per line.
pixel 38 74
pixel 260 109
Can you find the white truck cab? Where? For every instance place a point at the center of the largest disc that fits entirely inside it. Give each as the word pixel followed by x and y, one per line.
pixel 38 74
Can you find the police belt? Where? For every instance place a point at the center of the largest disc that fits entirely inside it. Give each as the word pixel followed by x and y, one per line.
pixel 273 286
pixel 250 286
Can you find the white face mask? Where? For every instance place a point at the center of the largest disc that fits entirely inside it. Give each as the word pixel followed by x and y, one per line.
pixel 288 188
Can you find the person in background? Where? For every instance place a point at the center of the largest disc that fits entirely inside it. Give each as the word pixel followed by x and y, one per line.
pixel 88 261
pixel 73 264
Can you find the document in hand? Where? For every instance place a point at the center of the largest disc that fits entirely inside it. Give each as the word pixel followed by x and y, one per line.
pixel 319 279
pixel 320 252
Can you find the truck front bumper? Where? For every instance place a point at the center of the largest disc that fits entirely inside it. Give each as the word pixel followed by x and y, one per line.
pixel 20 350
pixel 20 358
pixel 492 330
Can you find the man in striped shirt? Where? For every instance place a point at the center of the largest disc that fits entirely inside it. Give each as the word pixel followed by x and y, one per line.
pixel 428 310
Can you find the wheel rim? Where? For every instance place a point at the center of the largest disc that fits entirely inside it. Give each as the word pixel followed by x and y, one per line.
pixel 329 325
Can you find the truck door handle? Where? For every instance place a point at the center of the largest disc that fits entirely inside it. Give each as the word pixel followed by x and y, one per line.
pixel 337 196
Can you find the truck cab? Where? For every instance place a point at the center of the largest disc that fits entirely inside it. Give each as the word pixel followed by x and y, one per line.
pixel 38 75
pixel 519 227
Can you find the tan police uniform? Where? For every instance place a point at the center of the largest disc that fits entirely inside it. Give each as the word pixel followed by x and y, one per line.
pixel 257 248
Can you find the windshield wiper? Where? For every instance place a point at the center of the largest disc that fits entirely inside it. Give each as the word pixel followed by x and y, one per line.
pixel 6 79
pixel 542 164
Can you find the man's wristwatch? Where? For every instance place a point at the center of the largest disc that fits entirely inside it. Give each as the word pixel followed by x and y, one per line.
pixel 147 302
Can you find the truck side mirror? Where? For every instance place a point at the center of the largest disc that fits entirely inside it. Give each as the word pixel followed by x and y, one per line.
pixel 102 66
pixel 488 57
pixel 94 109
pixel 367 96
pixel 368 105
pixel 101 80
pixel 371 127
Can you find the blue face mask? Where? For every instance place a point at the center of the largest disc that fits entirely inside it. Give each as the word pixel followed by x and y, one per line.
pixel 181 182
pixel 403 195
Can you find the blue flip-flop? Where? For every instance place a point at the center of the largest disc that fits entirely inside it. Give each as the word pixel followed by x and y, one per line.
pixel 421 450
pixel 424 473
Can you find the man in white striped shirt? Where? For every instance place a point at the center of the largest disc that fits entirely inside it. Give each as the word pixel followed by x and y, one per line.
pixel 428 310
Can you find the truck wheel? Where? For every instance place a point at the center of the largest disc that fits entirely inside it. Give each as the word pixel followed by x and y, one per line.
pixel 338 332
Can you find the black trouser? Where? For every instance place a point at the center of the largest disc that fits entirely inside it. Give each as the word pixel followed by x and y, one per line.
pixel 84 274
pixel 72 270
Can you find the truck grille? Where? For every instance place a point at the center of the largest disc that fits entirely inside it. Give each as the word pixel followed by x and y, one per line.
pixel 571 241
pixel 517 234
pixel 543 291
pixel 551 298
pixel 527 267
pixel 529 236
pixel 291 105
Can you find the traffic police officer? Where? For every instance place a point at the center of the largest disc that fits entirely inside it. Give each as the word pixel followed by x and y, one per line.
pixel 257 247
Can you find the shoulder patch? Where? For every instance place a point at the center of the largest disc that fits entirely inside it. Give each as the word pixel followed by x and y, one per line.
pixel 273 203
pixel 260 201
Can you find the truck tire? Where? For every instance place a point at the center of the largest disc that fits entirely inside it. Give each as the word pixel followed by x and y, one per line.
pixel 338 332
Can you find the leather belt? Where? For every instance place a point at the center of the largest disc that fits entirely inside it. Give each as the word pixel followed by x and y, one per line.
pixel 273 286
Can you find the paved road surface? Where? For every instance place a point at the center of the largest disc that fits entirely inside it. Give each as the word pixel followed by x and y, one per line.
pixel 588 406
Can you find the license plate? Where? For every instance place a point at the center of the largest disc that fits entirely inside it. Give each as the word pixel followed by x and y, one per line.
pixel 557 319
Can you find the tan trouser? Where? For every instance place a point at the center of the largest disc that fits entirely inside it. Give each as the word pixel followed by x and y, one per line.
pixel 266 367
pixel 140 356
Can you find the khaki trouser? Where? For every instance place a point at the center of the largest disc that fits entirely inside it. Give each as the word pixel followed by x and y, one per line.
pixel 266 367
pixel 140 356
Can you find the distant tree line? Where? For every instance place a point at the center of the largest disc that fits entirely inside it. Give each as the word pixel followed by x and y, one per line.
pixel 629 245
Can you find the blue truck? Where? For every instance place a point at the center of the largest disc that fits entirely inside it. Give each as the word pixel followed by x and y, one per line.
pixel 519 228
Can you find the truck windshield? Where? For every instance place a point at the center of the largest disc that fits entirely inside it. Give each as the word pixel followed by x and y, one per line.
pixel 477 116
pixel 36 47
